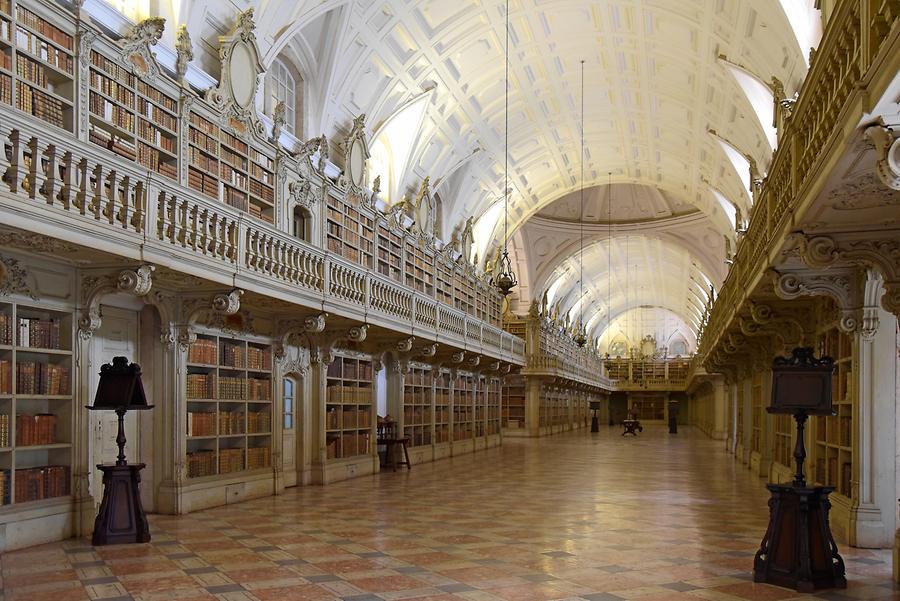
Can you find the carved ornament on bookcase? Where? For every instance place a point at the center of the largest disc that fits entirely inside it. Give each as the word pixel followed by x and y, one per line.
pixel 136 47
pixel 85 40
pixel 356 157
pixel 235 95
pixel 302 192
pixel 474 361
pixel 38 243
pixel 136 282
pixel 186 336
pixel 358 333
pixel 184 50
pixel 404 345
pixel 278 121
pixel 457 357
pixel 820 252
pixel 14 278
pixel 843 285
pixel 213 311
pixel 306 150
pixel 424 212
pixel 429 350
pixel 887 147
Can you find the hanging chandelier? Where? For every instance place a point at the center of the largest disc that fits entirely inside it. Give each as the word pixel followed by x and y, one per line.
pixel 506 279
pixel 581 334
pixel 608 261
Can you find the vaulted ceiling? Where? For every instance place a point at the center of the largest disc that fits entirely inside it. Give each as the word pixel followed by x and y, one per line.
pixel 663 103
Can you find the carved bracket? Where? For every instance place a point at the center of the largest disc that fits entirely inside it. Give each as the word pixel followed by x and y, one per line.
pixel 887 146
pixel 138 282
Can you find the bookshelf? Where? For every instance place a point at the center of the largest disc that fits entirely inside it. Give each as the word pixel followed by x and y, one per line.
pixel 443 275
pixel 226 168
pixel 36 420
pixel 494 406
pixel 514 408
pixel 739 438
pixel 349 232
pixel 783 453
pixel 37 63
pixel 441 408
pixel 131 117
pixel 464 292
pixel 348 408
pixel 417 411
pixel 229 406
pixel 480 398
pixel 463 408
pixel 419 267
pixel 833 454
pixel 390 252
pixel 758 413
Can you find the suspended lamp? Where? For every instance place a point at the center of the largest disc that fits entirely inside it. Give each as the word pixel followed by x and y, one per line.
pixel 506 279
pixel 608 261
pixel 581 334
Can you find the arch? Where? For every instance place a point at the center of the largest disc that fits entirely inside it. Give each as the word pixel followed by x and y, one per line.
pixel 302 223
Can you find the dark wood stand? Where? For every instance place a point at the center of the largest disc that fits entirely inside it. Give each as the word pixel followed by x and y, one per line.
pixel 632 426
pixel 798 550
pixel 121 518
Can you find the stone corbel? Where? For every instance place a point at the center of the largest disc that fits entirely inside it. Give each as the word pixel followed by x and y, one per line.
pixel 474 361
pixel 405 345
pixel 887 146
pixel 822 252
pixel 457 357
pixel 429 350
pixel 841 285
pixel 137 282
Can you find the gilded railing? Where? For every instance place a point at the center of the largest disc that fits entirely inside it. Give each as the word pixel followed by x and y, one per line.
pixel 850 52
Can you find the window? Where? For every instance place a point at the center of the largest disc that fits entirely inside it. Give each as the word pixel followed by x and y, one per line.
pixel 300 224
pixel 281 87
pixel 288 404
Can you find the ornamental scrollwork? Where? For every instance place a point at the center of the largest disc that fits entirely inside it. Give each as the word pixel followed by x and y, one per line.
pixel 887 147
pixel 137 281
pixel 228 303
pixel 185 52
pixel 136 46
pixel 14 278
pixel 357 333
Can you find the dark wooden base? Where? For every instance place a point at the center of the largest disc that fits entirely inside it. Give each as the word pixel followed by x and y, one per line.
pixel 121 518
pixel 798 550
pixel 632 426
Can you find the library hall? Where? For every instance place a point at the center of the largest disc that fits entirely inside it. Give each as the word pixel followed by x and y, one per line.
pixel 449 300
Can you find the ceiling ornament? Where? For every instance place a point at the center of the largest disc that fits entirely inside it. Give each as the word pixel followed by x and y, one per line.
pixel 865 192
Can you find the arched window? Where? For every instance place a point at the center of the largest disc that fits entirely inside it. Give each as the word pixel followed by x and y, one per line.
pixel 282 87
pixel 300 223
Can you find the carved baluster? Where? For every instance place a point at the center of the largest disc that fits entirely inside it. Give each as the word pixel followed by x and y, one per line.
pixel 98 181
pixel 108 205
pixel 128 198
pixel 84 185
pixel 32 158
pixel 67 178
pixel 168 217
pixel 15 152
pixel 51 184
pixel 181 231
pixel 141 196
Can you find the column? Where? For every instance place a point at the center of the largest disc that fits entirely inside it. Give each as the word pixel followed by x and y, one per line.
pixel 319 362
pixel 169 418
pixel 719 409
pixel 81 459
pixel 533 406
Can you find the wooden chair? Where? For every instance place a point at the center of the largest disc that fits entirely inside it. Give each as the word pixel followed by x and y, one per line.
pixel 387 436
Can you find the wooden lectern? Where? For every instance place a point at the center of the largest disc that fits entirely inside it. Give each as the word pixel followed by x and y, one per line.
pixel 121 518
pixel 798 550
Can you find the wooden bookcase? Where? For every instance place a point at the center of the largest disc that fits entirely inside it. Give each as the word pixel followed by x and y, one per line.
pixel 443 273
pixel 349 232
pixel 463 408
pixel 514 407
pixel 480 398
pixel 36 407
pixel 442 408
pixel 494 406
pixel 37 62
pixel 758 411
pixel 739 436
pixel 464 292
pixel 229 406
pixel 833 453
pixel 348 408
pixel 132 118
pixel 784 447
pixel 418 419
pixel 419 267
pixel 390 252
pixel 223 166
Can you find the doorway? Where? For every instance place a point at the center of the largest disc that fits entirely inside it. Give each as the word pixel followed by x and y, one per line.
pixel 117 336
pixel 290 428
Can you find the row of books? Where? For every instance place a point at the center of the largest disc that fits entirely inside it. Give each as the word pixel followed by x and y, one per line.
pixel 201 140
pixel 258 457
pixel 350 369
pixel 259 422
pixel 840 481
pixel 5 377
pixel 5 487
pixel 234 198
pixel 231 176
pixel 151 158
pixel 48 30
pixel 5 89
pixel 201 463
pixel 42 378
pixel 152 134
pixel 40 104
pixel 231 460
pixel 201 423
pixel 111 88
pixel 203 183
pixel 262 191
pixel 346 419
pixel 205 126
pixel 164 100
pixel 347 445
pixel 233 159
pixel 112 112
pixel 255 389
pixel 113 69
pixel 348 394
pixel 262 174
pixel 48 53
pixel 203 161
pixel 416 416
pixel 232 354
pixel 35 484
pixel 257 211
pixel 234 143
pixel 156 115
pixel 259 358
pixel 203 350
pixel 32 332
pixel 231 422
pixel 4 430
pixel 201 386
pixel 117 144
pixel 417 436
pixel 208 463
pixel 32 430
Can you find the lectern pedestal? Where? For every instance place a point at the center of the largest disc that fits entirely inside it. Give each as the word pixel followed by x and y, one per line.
pixel 121 518
pixel 798 550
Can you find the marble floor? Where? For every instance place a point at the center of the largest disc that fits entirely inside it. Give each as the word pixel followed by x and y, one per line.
pixel 576 517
